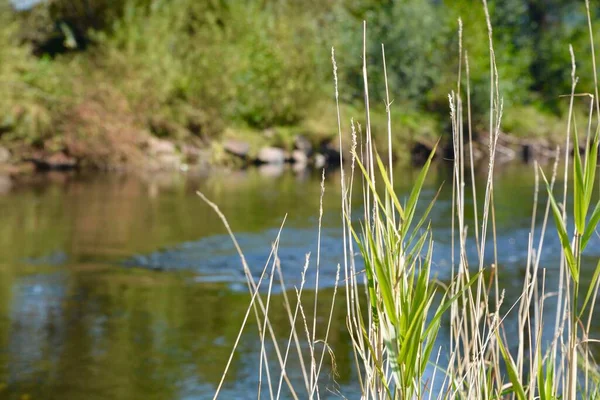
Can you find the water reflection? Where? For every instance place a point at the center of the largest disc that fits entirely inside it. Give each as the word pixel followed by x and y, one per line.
pixel 103 332
pixel 121 287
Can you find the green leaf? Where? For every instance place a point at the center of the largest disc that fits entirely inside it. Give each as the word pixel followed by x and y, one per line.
pixel 417 248
pixel 417 319
pixel 580 209
pixel 445 305
pixel 590 168
pixel 591 226
pixel 389 187
pixel 415 192
pixel 550 381
pixel 562 233
pixel 590 289
pixel 369 274
pixel 540 376
pixel 423 218
pixel 377 362
pixel 389 339
pixel 511 368
pixel 383 282
pixel 373 190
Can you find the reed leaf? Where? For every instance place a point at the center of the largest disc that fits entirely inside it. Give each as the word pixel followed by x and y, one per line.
pixel 591 289
pixel 562 233
pixel 591 164
pixel 511 368
pixel 389 187
pixel 590 228
pixel 580 209
pixel 415 192
pixel 372 187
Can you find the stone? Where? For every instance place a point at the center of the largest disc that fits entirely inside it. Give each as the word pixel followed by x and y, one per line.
pixel 57 161
pixel 192 154
pixel 203 159
pixel 319 160
pixel 271 155
pixel 4 155
pixel 236 147
pixel 61 161
pixel 169 161
pixel 299 157
pixel 302 144
pixel 159 146
pixel 163 155
pixel 330 149
pixel 21 168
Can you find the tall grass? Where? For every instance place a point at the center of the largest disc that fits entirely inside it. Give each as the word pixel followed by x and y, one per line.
pixel 396 308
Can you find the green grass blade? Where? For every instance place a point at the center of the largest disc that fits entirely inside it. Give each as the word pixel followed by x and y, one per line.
pixel 550 381
pixel 591 226
pixel 445 305
pixel 417 320
pixel 415 192
pixel 590 289
pixel 423 218
pixel 389 339
pixel 429 345
pixel 540 377
pixel 389 187
pixel 383 282
pixel 580 209
pixel 562 233
pixel 373 190
pixel 370 276
pixel 511 368
pixel 590 169
pixel 377 363
pixel 417 248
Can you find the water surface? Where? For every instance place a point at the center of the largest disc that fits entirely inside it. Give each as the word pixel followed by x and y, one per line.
pixel 113 286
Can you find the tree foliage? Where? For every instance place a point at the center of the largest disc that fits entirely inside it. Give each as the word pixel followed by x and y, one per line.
pixel 267 63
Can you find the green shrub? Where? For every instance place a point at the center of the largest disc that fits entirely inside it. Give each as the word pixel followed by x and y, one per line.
pixel 240 60
pixel 413 57
pixel 31 88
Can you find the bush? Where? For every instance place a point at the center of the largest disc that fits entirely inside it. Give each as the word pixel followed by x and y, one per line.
pixel 31 88
pixel 239 60
pixel 413 57
pixel 196 67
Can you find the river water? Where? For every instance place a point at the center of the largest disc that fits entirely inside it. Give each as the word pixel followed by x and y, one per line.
pixel 120 287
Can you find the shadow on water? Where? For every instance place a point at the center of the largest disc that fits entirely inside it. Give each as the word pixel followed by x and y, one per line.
pixel 122 287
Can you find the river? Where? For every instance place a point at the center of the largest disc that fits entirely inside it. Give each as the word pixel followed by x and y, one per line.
pixel 120 287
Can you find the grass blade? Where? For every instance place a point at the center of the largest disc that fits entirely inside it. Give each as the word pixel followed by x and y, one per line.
pixel 580 209
pixel 591 226
pixel 562 233
pixel 590 167
pixel 389 188
pixel 373 189
pixel 415 192
pixel 591 288
pixel 511 368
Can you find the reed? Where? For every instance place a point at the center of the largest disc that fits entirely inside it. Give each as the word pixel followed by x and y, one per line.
pixel 395 307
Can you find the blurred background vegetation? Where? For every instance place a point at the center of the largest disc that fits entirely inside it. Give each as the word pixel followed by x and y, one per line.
pixel 73 73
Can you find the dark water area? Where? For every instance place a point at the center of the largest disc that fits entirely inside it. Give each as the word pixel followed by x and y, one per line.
pixel 128 288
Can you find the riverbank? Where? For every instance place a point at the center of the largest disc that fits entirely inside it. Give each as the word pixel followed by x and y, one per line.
pixel 101 133
pixel 138 86
pixel 126 149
